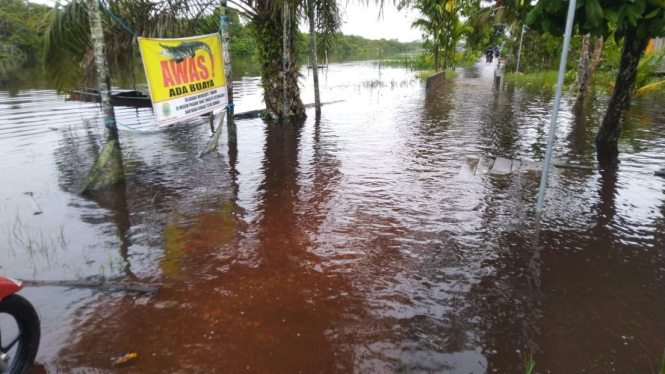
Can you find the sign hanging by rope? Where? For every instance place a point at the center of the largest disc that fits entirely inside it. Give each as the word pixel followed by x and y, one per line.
pixel 185 76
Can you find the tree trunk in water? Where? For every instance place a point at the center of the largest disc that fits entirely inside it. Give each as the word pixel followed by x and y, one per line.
pixel 610 130
pixel 267 28
pixel 582 66
pixel 312 52
pixel 226 55
pixel 107 169
pixel 588 74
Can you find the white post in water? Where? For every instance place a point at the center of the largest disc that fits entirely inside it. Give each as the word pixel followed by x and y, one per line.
pixel 519 51
pixel 557 100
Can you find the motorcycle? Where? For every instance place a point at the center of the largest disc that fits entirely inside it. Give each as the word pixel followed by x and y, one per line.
pixel 20 329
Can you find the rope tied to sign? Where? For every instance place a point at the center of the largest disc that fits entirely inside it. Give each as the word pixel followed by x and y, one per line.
pixel 222 23
pixel 110 122
pixel 107 10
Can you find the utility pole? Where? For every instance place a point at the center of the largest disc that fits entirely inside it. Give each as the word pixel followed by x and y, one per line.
pixel 107 169
pixel 519 51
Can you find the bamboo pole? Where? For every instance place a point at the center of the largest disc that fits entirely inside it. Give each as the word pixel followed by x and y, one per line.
pixel 312 48
pixel 107 169
pixel 286 54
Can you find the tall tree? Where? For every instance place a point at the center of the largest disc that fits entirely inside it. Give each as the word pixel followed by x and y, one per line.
pixel 587 72
pixel 441 27
pixel 107 169
pixel 635 22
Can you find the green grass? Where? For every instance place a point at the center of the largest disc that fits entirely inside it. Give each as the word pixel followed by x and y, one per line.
pixel 546 80
pixel 529 364
pixel 541 80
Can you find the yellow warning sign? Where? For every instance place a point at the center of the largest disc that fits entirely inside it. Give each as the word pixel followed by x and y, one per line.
pixel 185 76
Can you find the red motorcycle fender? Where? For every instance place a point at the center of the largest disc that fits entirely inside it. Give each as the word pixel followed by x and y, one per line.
pixel 9 287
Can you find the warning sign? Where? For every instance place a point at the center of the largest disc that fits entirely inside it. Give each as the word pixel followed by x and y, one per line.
pixel 185 76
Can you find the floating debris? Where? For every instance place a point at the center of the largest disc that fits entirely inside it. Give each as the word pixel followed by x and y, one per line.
pixel 121 359
pixel 35 208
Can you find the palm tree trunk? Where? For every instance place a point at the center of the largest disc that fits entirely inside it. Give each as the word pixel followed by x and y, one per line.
pixel 436 59
pixel 312 51
pixel 610 130
pixel 107 169
pixel 268 33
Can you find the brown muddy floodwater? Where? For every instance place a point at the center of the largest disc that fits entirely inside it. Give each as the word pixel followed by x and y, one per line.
pixel 345 245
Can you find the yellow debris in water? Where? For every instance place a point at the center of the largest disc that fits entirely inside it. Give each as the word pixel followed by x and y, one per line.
pixel 117 360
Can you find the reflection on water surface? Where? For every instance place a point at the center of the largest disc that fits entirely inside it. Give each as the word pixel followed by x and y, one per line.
pixel 345 244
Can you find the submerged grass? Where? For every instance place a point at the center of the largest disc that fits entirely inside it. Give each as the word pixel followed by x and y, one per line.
pixel 543 80
pixel 424 62
pixel 529 364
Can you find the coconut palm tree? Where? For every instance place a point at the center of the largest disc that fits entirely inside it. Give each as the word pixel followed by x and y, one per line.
pixel 68 57
pixel 442 28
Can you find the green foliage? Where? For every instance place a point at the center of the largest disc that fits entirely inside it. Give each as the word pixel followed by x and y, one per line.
pixel 442 27
pixel 539 51
pixel 542 80
pixel 601 17
pixel 242 42
pixel 646 80
pixel 349 45
pixel 546 80
pixel 21 33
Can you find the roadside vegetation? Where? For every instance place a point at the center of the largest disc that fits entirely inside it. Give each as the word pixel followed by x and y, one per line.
pixel 21 34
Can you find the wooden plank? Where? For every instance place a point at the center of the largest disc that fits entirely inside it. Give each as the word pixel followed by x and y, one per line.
pixel 99 285
pixel 501 166
pixel 484 166
pixel 517 164
pixel 468 168
pixel 576 166
pixel 528 165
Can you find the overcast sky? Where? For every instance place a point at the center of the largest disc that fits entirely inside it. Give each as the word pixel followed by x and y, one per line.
pixel 363 20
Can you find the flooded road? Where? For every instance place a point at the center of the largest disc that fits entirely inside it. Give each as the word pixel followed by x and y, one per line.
pixel 345 244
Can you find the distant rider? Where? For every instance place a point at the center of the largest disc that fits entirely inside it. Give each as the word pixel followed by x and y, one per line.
pixel 489 53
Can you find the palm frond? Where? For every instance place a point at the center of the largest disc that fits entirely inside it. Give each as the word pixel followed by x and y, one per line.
pixel 648 88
